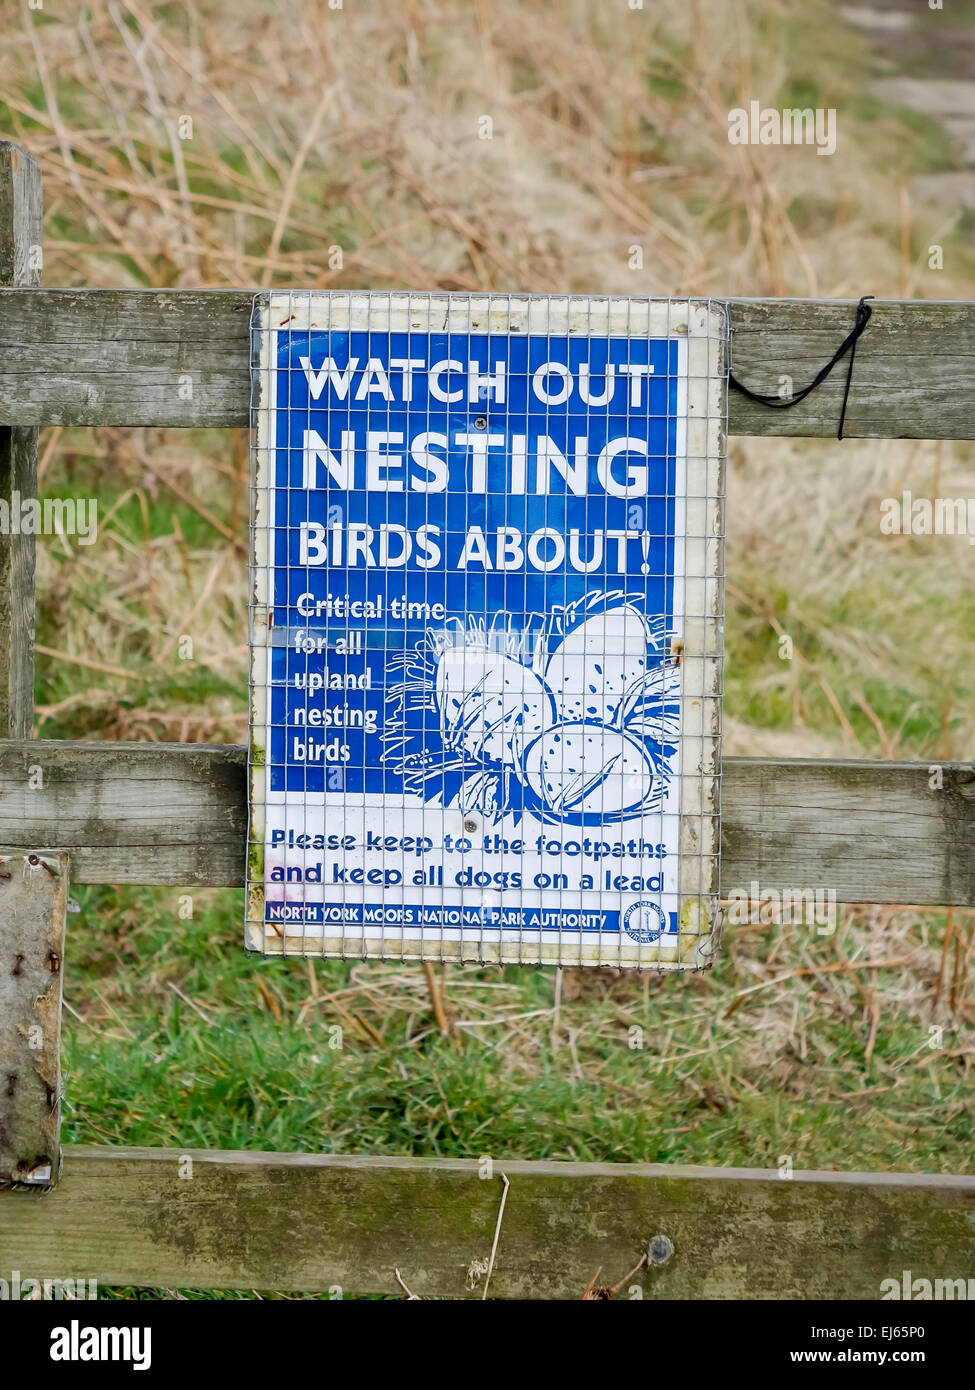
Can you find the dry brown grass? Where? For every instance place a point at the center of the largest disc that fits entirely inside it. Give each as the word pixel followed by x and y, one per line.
pixel 359 128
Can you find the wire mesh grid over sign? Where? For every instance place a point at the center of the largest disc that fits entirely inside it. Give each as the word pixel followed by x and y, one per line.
pixel 487 601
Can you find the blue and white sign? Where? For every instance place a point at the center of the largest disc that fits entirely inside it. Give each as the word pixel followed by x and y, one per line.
pixel 486 627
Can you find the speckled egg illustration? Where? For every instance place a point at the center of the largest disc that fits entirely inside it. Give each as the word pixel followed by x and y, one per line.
pixel 596 664
pixel 485 698
pixel 587 772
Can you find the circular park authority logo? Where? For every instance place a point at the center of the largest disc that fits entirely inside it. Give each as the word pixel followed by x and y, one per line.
pixel 644 922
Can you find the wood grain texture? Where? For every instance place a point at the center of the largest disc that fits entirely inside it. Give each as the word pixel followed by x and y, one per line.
pixel 309 1222
pixel 875 832
pixel 909 379
pixel 20 235
pixel 33 902
pixel 151 813
pixel 127 357
pixel 177 814
pixel 20 216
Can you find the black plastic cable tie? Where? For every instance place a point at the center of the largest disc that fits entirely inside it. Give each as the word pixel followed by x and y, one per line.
pixel 848 345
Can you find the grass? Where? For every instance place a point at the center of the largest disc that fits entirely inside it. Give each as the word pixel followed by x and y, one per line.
pixel 609 130
pixel 345 1057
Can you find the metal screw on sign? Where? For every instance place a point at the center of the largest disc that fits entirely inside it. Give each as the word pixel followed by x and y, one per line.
pixel 660 1250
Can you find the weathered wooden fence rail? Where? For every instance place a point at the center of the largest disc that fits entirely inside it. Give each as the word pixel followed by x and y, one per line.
pixel 158 813
pixel 127 357
pixel 176 814
pixel 314 1221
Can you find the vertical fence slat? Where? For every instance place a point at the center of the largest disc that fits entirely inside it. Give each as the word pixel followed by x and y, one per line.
pixel 33 888
pixel 20 252
pixel 33 904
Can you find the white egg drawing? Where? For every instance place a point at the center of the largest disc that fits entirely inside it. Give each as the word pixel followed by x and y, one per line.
pixel 587 772
pixel 595 664
pixel 483 697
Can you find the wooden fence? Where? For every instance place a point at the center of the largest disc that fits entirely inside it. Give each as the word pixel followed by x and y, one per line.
pixel 176 814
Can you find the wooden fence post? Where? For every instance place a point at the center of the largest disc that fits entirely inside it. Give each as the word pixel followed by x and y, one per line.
pixel 20 267
pixel 33 904
pixel 33 885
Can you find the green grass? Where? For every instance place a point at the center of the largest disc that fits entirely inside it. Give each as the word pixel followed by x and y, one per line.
pixel 259 1063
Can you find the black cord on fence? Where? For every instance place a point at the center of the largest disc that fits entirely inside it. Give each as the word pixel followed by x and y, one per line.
pixel 848 345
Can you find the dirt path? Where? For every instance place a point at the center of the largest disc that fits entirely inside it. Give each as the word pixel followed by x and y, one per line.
pixel 928 60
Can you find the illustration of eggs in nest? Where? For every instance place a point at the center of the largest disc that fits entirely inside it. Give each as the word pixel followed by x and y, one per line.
pixel 572 717
pixel 586 773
